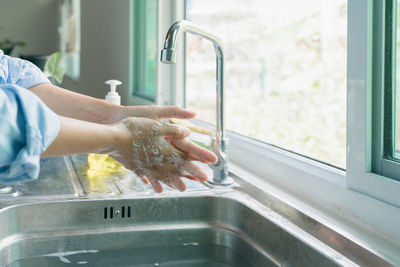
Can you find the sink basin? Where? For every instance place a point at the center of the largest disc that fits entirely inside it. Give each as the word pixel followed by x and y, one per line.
pixel 163 231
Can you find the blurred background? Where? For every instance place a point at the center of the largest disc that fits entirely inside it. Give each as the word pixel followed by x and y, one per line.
pixel 285 72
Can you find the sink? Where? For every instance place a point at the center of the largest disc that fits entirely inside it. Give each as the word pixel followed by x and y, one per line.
pixel 67 217
pixel 163 231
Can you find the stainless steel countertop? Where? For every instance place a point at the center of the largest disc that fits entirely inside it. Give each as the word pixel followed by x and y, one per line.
pixel 67 178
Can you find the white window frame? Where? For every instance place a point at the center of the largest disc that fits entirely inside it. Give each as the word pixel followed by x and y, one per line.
pixel 169 89
pixel 356 195
pixel 359 96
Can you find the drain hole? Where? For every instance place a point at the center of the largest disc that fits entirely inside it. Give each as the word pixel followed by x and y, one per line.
pixel 111 212
pixel 129 211
pixel 123 212
pixel 105 213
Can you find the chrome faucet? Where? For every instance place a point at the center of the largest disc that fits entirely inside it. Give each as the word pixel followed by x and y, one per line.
pixel 220 142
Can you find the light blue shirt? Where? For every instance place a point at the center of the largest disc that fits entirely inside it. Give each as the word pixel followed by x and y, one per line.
pixel 27 125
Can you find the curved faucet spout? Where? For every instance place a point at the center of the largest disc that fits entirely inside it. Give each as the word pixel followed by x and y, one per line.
pixel 168 52
pixel 168 55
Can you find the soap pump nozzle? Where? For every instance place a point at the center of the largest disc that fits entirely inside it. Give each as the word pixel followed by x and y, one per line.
pixel 113 96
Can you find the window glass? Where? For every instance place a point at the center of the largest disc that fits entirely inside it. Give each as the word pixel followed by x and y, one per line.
pixel 285 71
pixel 145 48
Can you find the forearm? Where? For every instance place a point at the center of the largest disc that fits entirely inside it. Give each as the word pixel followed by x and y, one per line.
pixel 78 106
pixel 76 137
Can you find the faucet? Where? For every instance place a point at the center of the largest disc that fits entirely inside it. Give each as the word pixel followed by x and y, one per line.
pixel 220 142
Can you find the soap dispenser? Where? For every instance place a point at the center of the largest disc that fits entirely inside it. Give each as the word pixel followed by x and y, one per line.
pixel 113 96
pixel 103 163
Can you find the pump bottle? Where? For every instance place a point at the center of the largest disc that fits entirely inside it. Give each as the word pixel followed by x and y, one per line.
pixel 103 163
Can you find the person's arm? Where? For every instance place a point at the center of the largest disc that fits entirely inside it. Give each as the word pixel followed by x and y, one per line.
pixel 78 137
pixel 78 106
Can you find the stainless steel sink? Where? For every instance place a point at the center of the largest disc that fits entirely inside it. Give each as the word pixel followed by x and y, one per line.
pixel 165 231
pixel 123 224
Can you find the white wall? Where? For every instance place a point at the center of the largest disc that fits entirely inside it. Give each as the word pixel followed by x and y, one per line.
pixel 104 47
pixel 34 22
pixel 104 38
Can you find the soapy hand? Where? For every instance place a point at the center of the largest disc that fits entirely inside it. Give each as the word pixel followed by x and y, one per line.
pixel 158 151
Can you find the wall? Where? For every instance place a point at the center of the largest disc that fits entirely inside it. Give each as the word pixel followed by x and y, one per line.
pixel 34 22
pixel 104 47
pixel 104 38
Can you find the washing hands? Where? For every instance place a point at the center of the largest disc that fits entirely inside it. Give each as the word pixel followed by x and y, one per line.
pixel 159 152
pixel 135 136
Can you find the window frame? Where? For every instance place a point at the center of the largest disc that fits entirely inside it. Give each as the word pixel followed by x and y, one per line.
pixel 365 99
pixel 139 28
pixel 390 166
pixel 359 176
pixel 168 91
pixel 135 43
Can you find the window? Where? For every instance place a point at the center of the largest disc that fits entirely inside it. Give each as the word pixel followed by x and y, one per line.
pixel 70 36
pixel 285 75
pixel 145 50
pixel 355 66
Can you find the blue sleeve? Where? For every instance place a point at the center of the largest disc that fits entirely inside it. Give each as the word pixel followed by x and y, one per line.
pixel 27 128
pixel 20 72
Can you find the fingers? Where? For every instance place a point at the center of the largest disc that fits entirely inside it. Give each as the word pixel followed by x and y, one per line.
pixel 197 152
pixel 172 179
pixel 155 183
pixel 184 168
pixel 172 131
pixel 148 178
pixel 191 170
pixel 172 112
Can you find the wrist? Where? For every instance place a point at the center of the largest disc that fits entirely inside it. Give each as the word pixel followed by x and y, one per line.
pixel 119 137
pixel 118 113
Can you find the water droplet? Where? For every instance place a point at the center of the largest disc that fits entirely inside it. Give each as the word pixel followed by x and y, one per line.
pixel 136 143
pixel 156 264
pixel 175 155
pixel 158 159
pixel 155 151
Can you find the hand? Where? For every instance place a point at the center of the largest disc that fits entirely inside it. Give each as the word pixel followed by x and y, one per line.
pixel 153 112
pixel 157 151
